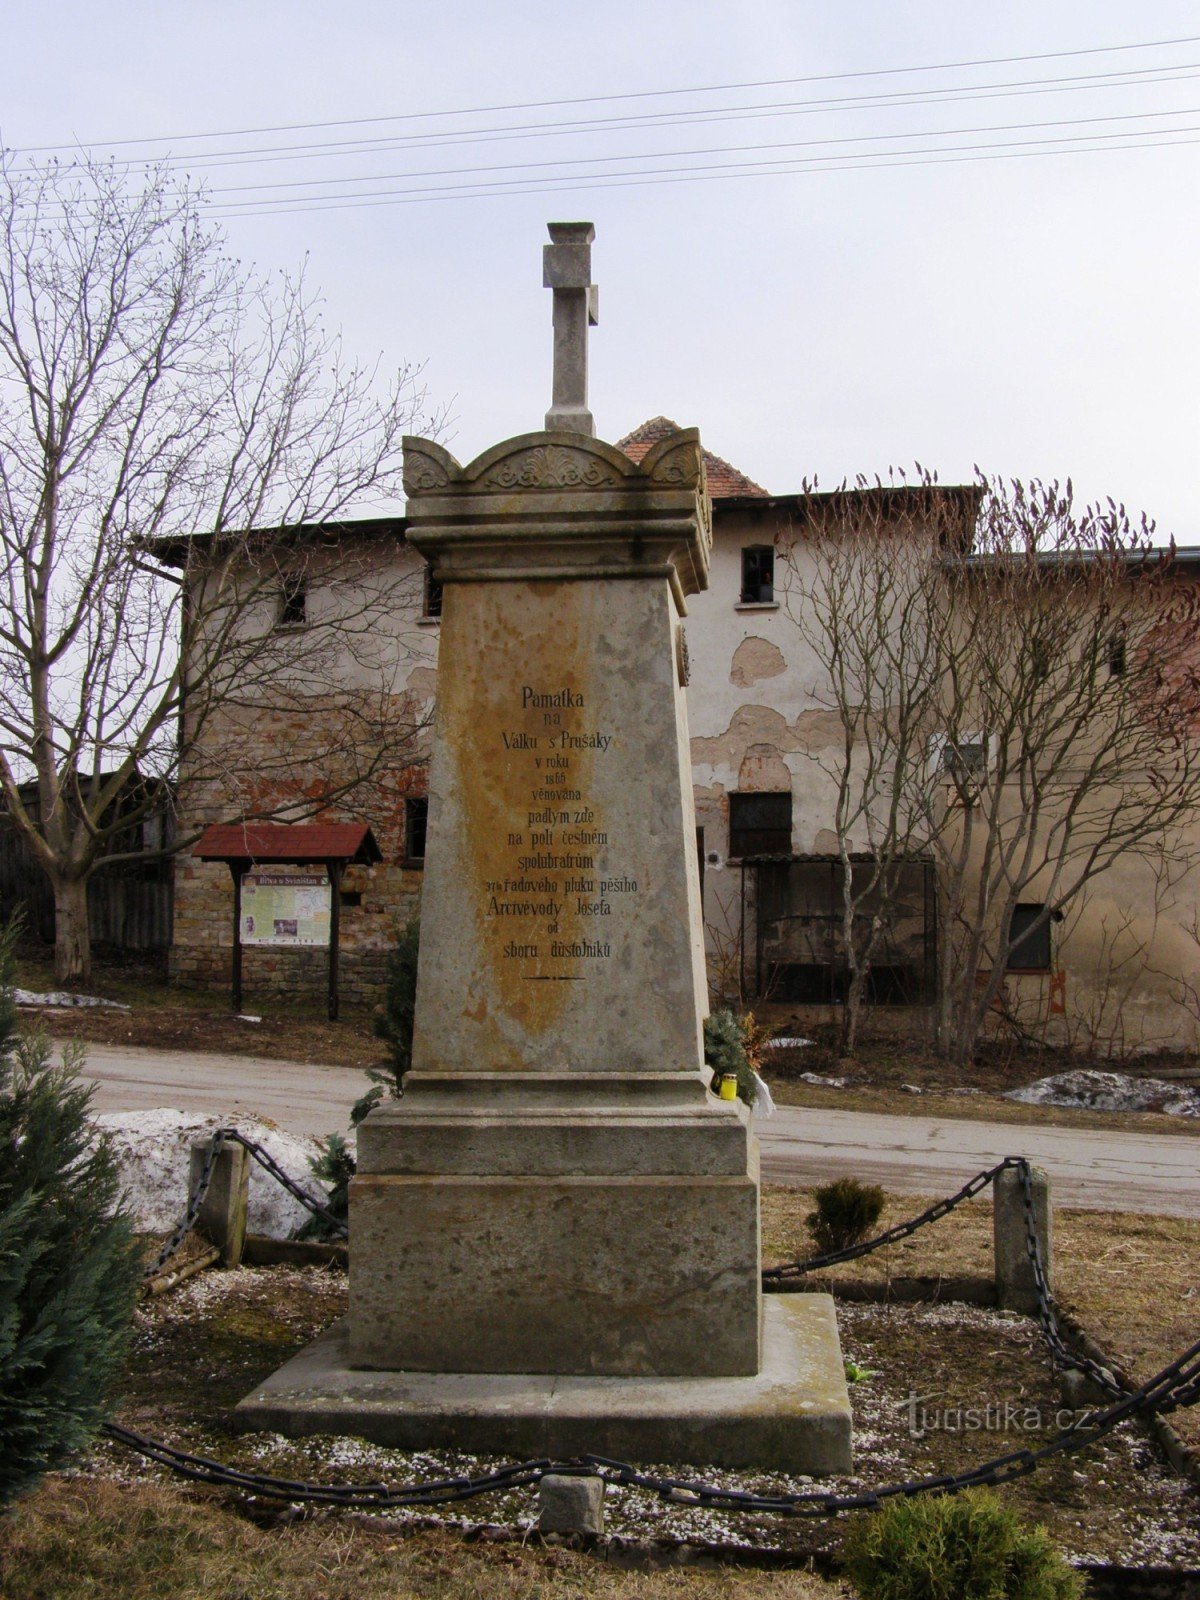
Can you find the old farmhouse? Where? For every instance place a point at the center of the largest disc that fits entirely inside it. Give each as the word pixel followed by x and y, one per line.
pixel 803 876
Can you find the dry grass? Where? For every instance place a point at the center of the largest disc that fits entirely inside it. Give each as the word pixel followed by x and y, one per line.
pixel 1132 1280
pixel 93 1539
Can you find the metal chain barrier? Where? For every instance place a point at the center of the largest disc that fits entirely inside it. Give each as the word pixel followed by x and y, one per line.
pixel 195 1200
pixel 775 1277
pixel 1165 1391
pixel 1176 1386
pixel 220 1138
pixel 269 1164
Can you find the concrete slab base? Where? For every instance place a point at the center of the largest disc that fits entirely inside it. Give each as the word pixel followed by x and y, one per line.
pixel 793 1416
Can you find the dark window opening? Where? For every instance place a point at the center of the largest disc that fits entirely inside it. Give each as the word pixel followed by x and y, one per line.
pixel 760 824
pixel 293 607
pixel 1118 663
pixel 350 897
pixel 758 574
pixel 433 595
pixel 416 818
pixel 966 758
pixel 801 952
pixel 700 861
pixel 1028 946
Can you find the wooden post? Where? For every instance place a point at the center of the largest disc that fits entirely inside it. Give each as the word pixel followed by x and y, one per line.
pixel 237 868
pixel 334 868
pixel 222 1217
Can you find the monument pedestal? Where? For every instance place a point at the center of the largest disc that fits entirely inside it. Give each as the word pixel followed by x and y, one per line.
pixel 560 1223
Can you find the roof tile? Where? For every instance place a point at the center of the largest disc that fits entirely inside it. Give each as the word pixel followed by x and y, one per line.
pixel 724 481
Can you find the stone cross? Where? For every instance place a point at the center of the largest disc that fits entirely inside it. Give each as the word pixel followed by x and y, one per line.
pixel 567 269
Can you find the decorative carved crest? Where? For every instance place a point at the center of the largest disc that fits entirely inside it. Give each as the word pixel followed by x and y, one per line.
pixel 552 466
pixel 423 474
pixel 682 466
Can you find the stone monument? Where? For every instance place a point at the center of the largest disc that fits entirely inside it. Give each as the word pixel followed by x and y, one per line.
pixel 554 1234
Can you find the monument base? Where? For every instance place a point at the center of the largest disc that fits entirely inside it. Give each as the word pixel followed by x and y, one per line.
pixel 793 1416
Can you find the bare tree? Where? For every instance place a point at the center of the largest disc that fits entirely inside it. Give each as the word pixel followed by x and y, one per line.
pixel 1024 708
pixel 1070 730
pixel 160 406
pixel 863 588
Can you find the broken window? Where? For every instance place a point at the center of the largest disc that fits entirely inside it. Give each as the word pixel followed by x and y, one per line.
pixel 1029 939
pixel 758 573
pixel 760 824
pixel 965 758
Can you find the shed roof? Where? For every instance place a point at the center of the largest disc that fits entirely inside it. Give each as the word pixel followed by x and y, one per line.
pixel 288 842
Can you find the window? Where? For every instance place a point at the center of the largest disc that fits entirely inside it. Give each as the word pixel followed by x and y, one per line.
pixel 1118 663
pixel 758 574
pixel 964 758
pixel 432 606
pixel 1029 946
pixel 416 818
pixel 293 606
pixel 760 824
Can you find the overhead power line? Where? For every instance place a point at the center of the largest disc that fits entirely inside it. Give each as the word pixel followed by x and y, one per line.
pixel 961 94
pixel 665 155
pixel 557 183
pixel 606 99
pixel 574 187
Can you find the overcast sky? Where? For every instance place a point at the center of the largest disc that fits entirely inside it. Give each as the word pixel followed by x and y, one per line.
pixel 1038 315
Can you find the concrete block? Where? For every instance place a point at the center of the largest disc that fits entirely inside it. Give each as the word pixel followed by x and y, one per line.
pixel 570 1505
pixel 1015 1287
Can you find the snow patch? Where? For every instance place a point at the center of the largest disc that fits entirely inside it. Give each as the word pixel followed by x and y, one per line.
pixel 153 1151
pixel 1110 1091
pixel 60 997
pixel 824 1083
pixel 787 1044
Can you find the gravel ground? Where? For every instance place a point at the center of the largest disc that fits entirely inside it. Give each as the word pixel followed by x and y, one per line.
pixel 200 1349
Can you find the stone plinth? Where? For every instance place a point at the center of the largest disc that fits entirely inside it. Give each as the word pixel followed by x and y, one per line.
pixel 792 1416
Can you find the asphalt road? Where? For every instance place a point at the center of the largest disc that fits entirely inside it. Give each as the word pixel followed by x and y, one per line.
pixel 1104 1169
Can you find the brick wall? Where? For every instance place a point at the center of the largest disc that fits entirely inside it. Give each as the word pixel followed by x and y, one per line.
pixel 314 758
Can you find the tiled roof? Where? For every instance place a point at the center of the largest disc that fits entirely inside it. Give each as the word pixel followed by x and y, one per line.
pixel 724 482
pixel 287 842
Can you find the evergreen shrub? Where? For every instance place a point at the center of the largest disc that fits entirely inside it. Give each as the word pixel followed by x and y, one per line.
pixel 70 1268
pixel 846 1213
pixel 967 1546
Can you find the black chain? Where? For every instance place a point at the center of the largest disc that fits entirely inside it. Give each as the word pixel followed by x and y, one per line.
pixel 1176 1386
pixel 187 1222
pixel 774 1278
pixel 269 1164
pixel 195 1200
pixel 1060 1354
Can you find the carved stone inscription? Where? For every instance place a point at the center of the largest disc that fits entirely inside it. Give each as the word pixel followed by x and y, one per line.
pixel 561 903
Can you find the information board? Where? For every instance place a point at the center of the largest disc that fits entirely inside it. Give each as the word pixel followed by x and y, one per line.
pixel 285 908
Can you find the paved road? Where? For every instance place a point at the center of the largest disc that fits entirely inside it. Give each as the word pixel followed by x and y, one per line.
pixel 1103 1169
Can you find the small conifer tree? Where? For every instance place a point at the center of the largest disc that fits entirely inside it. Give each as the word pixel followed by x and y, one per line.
pixel 69 1265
